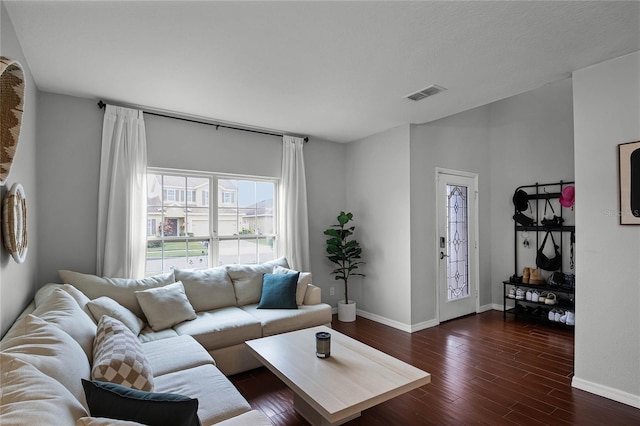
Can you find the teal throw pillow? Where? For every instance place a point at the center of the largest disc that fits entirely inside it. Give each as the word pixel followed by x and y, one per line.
pixel 119 402
pixel 279 291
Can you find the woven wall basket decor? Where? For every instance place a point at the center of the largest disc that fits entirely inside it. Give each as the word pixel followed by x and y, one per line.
pixel 14 222
pixel 12 85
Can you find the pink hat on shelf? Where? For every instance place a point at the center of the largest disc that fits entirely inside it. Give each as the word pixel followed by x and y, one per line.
pixel 568 196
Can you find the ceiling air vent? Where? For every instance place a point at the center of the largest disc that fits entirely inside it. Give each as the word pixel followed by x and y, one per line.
pixel 434 89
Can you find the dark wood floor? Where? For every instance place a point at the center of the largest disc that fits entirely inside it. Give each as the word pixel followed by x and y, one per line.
pixel 483 371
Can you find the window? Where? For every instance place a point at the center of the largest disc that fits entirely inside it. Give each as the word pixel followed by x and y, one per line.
pixel 188 229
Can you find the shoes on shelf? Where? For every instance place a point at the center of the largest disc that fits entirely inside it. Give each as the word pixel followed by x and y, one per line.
pixel 526 274
pixel 571 318
pixel 520 295
pixel 512 293
pixel 557 315
pixel 535 277
pixel 535 296
pixel 551 299
pixel 528 295
pixel 552 315
pixel 563 318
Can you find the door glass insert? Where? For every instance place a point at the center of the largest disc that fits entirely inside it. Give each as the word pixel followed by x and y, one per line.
pixel 458 242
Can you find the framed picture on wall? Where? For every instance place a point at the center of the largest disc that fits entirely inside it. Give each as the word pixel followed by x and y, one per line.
pixel 629 171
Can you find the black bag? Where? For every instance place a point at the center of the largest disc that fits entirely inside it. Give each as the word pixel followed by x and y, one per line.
pixel 523 219
pixel 562 281
pixel 556 221
pixel 543 261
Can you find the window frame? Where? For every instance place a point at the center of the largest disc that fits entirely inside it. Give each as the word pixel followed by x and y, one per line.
pixel 214 238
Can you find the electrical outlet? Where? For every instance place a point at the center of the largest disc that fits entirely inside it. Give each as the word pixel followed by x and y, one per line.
pixel 332 291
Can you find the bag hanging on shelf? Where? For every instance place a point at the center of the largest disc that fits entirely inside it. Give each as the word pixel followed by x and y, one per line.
pixel 523 219
pixel 543 261
pixel 556 221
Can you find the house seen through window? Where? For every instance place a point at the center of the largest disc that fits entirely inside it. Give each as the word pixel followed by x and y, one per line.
pixel 186 228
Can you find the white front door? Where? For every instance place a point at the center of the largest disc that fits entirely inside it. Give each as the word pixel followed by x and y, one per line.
pixel 457 244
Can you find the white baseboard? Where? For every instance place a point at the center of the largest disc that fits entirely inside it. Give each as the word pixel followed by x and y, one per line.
pixel 411 328
pixel 424 324
pixel 607 392
pixel 485 308
pixel 383 320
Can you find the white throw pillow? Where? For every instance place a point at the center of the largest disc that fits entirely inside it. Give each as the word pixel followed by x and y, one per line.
pixel 303 280
pixel 165 306
pixel 44 292
pixel 62 310
pixel 80 298
pixel 119 358
pixel 50 350
pixel 247 279
pixel 119 289
pixel 207 289
pixel 107 306
pixel 30 397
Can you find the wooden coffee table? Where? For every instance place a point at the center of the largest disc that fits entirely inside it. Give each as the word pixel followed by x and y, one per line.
pixel 334 390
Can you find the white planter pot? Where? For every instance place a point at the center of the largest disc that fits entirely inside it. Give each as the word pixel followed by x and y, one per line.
pixel 346 311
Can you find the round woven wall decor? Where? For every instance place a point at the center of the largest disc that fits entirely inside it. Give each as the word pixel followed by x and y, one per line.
pixel 12 86
pixel 14 222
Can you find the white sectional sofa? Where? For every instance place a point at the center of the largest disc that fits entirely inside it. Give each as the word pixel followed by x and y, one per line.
pixel 188 328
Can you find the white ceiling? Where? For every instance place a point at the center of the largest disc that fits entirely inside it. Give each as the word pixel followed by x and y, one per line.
pixel 333 70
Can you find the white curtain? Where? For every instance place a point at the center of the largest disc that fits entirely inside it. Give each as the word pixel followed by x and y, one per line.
pixel 293 225
pixel 122 194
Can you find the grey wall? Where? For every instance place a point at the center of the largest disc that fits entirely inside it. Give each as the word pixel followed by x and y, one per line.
pixel 378 185
pixel 607 341
pixel 531 141
pixel 69 138
pixel 524 139
pixel 459 142
pixel 18 281
pixel 69 162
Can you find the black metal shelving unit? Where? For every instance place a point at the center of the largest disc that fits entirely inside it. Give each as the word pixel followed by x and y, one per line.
pixel 524 308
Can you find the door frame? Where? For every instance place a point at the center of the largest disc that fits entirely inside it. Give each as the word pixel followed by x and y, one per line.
pixel 475 276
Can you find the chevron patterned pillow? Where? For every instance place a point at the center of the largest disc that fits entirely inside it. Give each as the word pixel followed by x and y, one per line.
pixel 118 356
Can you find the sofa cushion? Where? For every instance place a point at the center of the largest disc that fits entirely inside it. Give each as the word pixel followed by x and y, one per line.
pixel 44 292
pixel 251 418
pixel 81 299
pixel 119 289
pixel 165 306
pixel 219 399
pixel 279 291
pixel 221 328
pixel 119 358
pixel 247 279
pixel 62 310
pixel 30 397
pixel 104 305
pixel 104 421
pixel 149 408
pixel 162 358
pixel 207 289
pixel 50 350
pixel 148 335
pixel 275 321
pixel 303 280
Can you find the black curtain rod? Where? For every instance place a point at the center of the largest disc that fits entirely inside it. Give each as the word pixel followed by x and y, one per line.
pixel 101 105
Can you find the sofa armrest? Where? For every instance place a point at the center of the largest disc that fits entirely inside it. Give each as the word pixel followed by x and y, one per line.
pixel 313 295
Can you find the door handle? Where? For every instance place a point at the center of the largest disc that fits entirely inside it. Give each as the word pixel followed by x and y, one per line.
pixel 442 255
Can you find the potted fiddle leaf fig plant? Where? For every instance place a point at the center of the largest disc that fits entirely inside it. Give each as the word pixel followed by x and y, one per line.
pixel 344 251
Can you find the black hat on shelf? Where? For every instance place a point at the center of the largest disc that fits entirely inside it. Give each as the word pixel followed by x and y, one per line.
pixel 521 200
